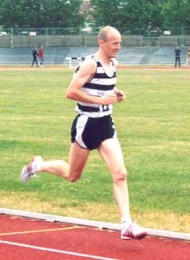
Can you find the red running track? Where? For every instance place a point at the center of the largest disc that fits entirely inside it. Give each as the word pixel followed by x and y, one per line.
pixel 28 239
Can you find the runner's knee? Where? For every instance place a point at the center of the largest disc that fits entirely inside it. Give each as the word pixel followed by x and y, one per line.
pixel 74 177
pixel 120 176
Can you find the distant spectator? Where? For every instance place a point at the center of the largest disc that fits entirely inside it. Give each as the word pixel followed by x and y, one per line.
pixel 41 56
pixel 177 52
pixel 188 57
pixel 35 57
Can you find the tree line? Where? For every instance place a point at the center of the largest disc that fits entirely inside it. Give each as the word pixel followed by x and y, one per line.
pixel 129 16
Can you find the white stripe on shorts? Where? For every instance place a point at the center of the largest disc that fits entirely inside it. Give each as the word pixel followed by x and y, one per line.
pixel 81 123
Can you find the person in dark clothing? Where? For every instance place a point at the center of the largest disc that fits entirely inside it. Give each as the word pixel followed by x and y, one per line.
pixel 35 57
pixel 177 52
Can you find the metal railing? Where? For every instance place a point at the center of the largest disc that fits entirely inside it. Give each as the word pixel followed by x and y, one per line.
pixel 13 41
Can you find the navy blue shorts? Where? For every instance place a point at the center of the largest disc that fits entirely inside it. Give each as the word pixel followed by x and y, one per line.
pixel 90 132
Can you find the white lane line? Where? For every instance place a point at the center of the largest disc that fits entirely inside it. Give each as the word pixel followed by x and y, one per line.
pixel 55 250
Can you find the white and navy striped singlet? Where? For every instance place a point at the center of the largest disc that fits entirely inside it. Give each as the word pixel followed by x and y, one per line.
pixel 100 85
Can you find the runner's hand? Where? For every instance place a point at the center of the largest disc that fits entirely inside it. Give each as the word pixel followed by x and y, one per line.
pixel 120 95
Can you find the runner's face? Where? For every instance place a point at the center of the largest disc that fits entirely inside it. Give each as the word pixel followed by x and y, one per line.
pixel 113 44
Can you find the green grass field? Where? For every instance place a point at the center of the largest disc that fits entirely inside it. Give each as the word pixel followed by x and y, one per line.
pixel 152 124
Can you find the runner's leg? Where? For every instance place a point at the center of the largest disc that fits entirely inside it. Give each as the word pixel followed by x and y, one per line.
pixel 72 171
pixel 111 152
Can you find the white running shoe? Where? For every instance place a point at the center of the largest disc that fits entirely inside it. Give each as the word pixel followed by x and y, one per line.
pixel 30 170
pixel 132 231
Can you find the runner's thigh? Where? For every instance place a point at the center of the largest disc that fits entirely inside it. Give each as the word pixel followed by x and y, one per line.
pixel 111 152
pixel 77 159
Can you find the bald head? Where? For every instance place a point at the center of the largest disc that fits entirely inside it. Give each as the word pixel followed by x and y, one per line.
pixel 106 31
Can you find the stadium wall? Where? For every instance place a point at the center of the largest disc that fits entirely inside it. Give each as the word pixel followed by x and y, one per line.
pixel 136 50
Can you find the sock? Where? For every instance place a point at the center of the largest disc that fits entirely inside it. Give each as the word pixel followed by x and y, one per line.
pixel 38 165
pixel 126 219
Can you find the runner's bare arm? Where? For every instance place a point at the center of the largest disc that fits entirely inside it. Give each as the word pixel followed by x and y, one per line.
pixel 84 74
